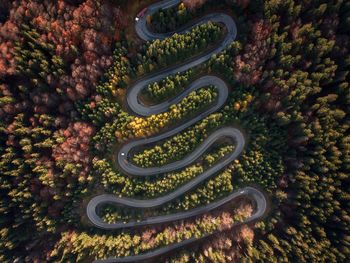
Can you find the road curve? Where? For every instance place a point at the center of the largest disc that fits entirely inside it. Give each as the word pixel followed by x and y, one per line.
pixel 151 203
pixel 132 96
pixel 249 192
pixel 138 108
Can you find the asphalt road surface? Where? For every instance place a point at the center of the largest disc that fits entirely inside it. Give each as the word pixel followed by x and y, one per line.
pixel 248 192
pixel 138 108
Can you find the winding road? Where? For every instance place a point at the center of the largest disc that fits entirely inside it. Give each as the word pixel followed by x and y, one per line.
pixel 138 108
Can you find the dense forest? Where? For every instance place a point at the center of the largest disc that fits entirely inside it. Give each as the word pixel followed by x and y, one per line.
pixel 65 69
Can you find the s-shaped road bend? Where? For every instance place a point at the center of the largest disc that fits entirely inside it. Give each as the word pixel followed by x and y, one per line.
pixel 137 107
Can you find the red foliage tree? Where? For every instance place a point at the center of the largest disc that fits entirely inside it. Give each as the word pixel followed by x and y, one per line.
pixel 81 35
pixel 193 4
pixel 75 148
pixel 248 67
pixel 8 36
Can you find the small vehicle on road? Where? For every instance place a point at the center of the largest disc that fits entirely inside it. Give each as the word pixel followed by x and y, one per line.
pixel 141 14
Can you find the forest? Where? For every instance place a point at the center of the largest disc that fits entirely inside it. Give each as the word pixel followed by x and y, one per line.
pixel 66 68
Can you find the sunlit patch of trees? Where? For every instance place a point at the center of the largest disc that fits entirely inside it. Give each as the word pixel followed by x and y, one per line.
pixel 169 87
